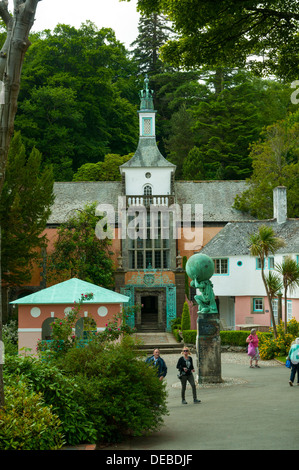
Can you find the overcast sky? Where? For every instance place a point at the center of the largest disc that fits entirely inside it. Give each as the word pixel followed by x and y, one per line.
pixel 120 16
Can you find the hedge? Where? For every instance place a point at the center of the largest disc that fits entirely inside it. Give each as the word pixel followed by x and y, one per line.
pixel 234 338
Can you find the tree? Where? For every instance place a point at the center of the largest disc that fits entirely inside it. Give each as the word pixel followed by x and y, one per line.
pixel 193 165
pixel 185 322
pixel 180 140
pixel 262 243
pixel 11 60
pixel 25 206
pixel 231 32
pixel 108 170
pixel 289 270
pixel 232 117
pixel 274 286
pixel 153 32
pixel 78 98
pixel 79 253
pixel 275 162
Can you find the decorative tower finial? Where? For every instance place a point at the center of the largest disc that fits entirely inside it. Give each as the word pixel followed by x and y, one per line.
pixel 146 96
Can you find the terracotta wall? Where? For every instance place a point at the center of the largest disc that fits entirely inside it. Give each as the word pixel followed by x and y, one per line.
pixel 31 318
pixel 51 234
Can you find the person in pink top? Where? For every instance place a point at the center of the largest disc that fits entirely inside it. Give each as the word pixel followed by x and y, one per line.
pixel 253 350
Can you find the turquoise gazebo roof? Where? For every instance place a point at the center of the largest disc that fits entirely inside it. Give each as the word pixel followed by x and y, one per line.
pixel 68 292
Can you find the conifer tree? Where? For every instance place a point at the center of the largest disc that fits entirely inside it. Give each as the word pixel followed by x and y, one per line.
pixel 25 204
pixel 154 31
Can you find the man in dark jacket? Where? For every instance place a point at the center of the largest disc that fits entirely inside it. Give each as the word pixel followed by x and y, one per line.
pixel 156 361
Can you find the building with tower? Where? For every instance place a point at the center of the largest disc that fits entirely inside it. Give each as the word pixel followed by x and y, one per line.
pixel 159 223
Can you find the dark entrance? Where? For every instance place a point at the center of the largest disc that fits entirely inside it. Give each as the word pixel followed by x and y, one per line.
pixel 149 311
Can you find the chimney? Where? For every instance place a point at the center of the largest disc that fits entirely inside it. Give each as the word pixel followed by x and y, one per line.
pixel 280 204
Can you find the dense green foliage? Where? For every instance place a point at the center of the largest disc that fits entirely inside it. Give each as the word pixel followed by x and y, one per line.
pixel 101 392
pixel 57 390
pixel 107 170
pixel 185 319
pixel 120 392
pixel 79 253
pixel 25 206
pixel 81 114
pixel 153 32
pixel 77 95
pixel 26 423
pixel 232 32
pixel 270 347
pixel 228 121
pixel 275 161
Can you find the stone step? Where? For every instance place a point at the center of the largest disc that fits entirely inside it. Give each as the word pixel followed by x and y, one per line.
pixel 165 348
pixel 163 351
pixel 165 342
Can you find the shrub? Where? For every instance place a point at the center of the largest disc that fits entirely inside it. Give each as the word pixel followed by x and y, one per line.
pixel 189 336
pixel 176 323
pixel 186 322
pixel 234 338
pixel 120 392
pixel 269 347
pixel 26 423
pixel 10 337
pixel 58 391
pixel 176 328
pixel 178 335
pixel 62 339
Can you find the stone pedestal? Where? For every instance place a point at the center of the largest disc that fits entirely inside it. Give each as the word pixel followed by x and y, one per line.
pixel 208 345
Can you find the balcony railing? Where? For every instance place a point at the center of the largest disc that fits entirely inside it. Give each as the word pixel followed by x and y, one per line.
pixel 147 201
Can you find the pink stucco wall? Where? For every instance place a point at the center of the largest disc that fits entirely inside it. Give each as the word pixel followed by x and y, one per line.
pixel 243 311
pixel 30 328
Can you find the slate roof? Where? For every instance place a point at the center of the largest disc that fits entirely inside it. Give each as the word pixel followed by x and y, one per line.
pixel 217 198
pixel 233 239
pixel 69 291
pixel 74 195
pixel 147 155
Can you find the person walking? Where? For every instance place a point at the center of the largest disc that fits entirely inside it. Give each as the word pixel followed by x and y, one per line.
pixel 253 350
pixel 156 361
pixel 185 366
pixel 294 358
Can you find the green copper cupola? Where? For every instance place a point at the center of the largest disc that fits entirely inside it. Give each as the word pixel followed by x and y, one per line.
pixel 147 114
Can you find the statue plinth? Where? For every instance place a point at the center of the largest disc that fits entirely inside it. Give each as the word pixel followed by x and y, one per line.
pixel 208 346
pixel 200 269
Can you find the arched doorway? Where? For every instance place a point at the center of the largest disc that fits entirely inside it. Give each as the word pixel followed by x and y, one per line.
pixel 46 328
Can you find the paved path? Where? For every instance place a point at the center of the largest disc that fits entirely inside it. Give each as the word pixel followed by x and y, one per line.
pixel 254 409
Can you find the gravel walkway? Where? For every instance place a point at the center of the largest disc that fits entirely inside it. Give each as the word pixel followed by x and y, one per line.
pixel 226 358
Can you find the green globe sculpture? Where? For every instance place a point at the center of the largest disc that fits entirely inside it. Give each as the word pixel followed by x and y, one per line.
pixel 200 268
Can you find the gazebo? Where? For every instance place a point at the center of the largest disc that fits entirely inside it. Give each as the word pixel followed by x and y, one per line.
pixel 37 311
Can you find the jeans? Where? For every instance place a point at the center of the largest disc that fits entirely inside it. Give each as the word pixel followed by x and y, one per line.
pixel 190 379
pixel 294 369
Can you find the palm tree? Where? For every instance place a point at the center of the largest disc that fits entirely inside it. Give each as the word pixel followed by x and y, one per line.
pixel 274 284
pixel 289 269
pixel 262 243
